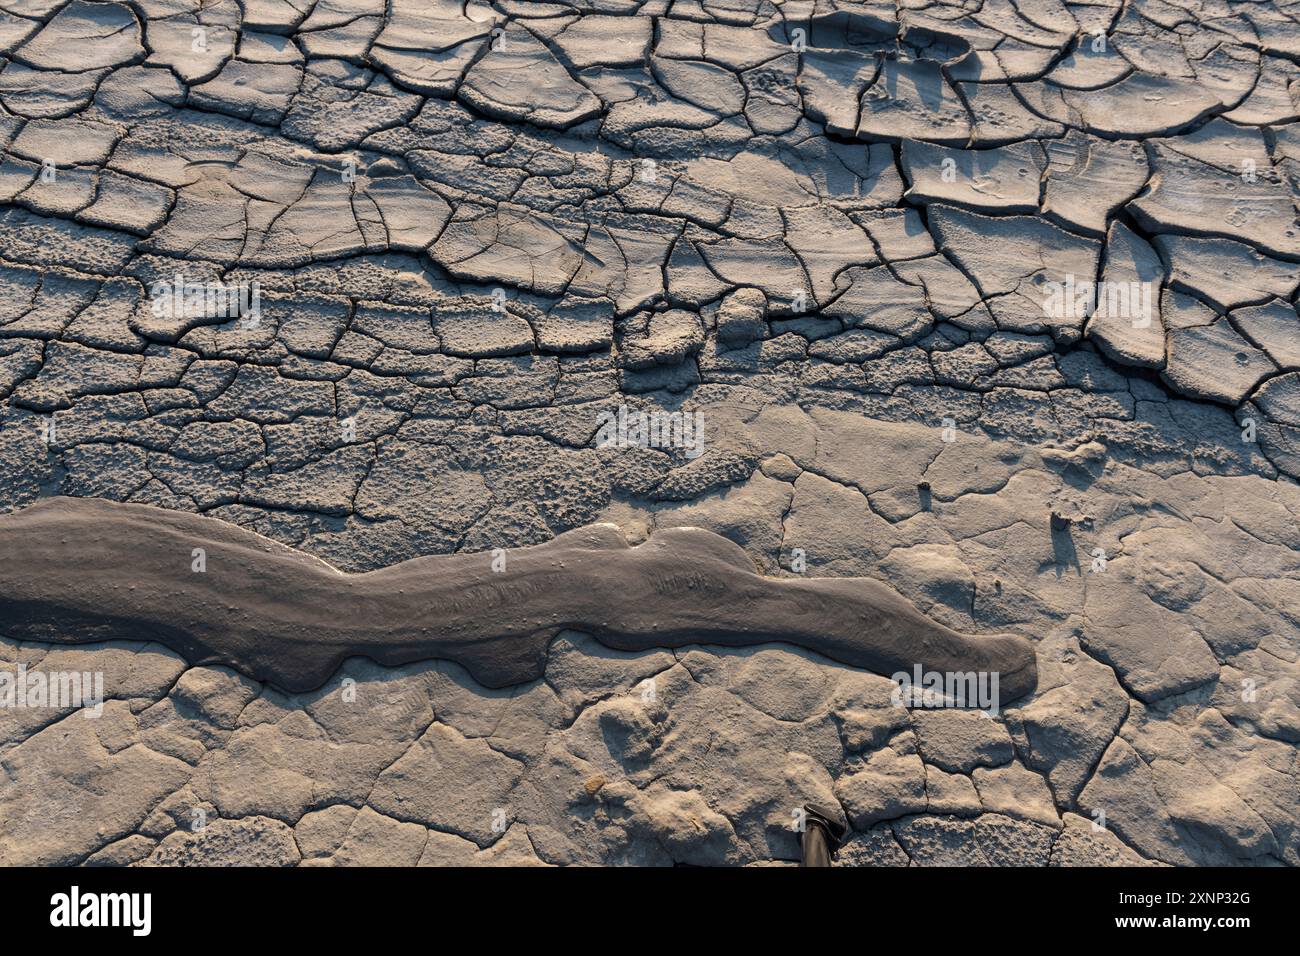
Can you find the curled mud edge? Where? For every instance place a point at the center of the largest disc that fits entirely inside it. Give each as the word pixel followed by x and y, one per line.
pixel 82 570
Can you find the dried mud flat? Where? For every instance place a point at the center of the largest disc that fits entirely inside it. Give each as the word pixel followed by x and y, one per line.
pixel 993 303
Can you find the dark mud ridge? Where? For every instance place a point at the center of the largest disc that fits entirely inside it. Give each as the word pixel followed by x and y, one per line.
pixel 76 570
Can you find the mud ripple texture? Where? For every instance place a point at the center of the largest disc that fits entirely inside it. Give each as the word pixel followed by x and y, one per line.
pixel 828 228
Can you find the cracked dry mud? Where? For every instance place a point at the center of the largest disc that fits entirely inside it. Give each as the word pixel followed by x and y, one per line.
pixel 829 228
